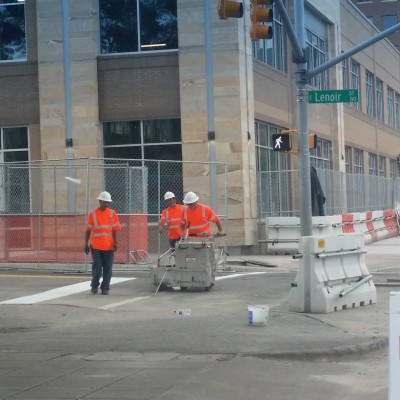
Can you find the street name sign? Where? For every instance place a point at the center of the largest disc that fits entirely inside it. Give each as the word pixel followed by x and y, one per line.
pixel 332 96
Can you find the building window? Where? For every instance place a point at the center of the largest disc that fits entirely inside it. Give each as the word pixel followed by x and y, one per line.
pixel 150 139
pixel 393 168
pixel 379 100
pixel 273 178
pixel 397 110
pixel 370 19
pixel 369 89
pixel 12 30
pixel 390 105
pixel 272 51
pixel 321 156
pixel 14 188
pixel 316 55
pixel 144 141
pixel 372 164
pixel 358 161
pixel 138 25
pixel 347 159
pixel 382 166
pixel 388 21
pixel 355 80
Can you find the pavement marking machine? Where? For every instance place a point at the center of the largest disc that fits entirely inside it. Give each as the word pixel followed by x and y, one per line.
pixel 192 264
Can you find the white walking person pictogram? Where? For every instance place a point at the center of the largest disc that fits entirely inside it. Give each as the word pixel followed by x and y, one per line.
pixel 278 142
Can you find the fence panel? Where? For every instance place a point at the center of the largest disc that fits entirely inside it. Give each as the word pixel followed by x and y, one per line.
pixel 278 193
pixel 44 205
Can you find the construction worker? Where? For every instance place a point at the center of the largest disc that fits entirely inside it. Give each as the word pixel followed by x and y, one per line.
pixel 198 216
pixel 172 219
pixel 102 226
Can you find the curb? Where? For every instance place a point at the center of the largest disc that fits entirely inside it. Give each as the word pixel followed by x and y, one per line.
pixel 333 353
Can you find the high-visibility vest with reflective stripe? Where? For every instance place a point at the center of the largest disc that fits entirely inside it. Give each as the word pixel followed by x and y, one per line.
pixel 173 217
pixel 199 220
pixel 102 223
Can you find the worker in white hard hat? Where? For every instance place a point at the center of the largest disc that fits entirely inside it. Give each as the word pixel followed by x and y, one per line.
pixel 101 231
pixel 172 219
pixel 197 217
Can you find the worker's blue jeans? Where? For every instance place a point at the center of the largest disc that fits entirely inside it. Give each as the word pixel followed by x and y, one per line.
pixel 102 263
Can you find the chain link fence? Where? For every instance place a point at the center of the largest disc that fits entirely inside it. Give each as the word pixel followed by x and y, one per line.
pixel 44 205
pixel 278 193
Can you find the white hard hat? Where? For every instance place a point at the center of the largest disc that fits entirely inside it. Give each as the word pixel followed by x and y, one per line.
pixel 105 196
pixel 190 198
pixel 168 195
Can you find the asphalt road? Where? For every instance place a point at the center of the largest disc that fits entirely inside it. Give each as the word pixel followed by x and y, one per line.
pixel 132 344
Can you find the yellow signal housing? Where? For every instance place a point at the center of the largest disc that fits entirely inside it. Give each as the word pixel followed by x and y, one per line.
pixel 258 15
pixel 230 9
pixel 312 141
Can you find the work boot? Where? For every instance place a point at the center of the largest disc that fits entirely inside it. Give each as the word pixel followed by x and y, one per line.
pixel 104 291
pixel 94 290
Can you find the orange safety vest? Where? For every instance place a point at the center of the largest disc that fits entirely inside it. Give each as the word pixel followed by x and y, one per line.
pixel 199 220
pixel 173 217
pixel 102 224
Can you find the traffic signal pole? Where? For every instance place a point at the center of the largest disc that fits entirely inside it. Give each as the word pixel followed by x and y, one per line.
pixel 297 40
pixel 212 157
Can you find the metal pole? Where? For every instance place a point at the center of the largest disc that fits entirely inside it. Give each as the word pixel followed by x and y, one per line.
pixel 304 152
pixel 67 99
pixel 210 104
pixel 302 122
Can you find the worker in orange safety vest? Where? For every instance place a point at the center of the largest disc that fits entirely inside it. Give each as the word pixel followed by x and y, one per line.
pixel 198 216
pixel 101 230
pixel 172 219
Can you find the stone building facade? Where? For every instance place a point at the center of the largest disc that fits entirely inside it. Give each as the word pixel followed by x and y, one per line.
pixel 254 91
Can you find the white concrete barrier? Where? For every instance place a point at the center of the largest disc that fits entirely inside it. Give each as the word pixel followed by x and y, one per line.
pixel 282 233
pixel 332 275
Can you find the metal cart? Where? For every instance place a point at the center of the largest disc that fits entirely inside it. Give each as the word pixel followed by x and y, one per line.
pixel 192 264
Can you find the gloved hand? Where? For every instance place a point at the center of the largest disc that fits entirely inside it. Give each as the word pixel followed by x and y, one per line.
pixel 87 249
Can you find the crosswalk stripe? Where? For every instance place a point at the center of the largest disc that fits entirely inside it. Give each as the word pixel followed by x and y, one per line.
pixel 58 292
pixel 121 303
pixel 237 275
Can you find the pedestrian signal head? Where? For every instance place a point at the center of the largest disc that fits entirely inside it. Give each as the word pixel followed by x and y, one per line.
pixel 105 196
pixel 168 195
pixel 281 142
pixel 190 198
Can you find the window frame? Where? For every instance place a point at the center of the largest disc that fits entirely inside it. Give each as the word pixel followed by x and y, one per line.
pixel 25 58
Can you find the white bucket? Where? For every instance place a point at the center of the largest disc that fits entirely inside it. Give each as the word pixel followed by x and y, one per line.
pixel 258 315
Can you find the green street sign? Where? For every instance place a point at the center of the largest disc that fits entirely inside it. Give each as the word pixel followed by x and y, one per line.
pixel 332 96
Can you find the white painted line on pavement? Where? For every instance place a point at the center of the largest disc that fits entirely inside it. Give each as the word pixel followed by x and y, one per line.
pixel 121 303
pixel 237 275
pixel 59 292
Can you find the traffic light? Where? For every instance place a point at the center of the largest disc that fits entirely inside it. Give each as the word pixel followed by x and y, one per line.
pixel 312 141
pixel 258 15
pixel 281 142
pixel 230 9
